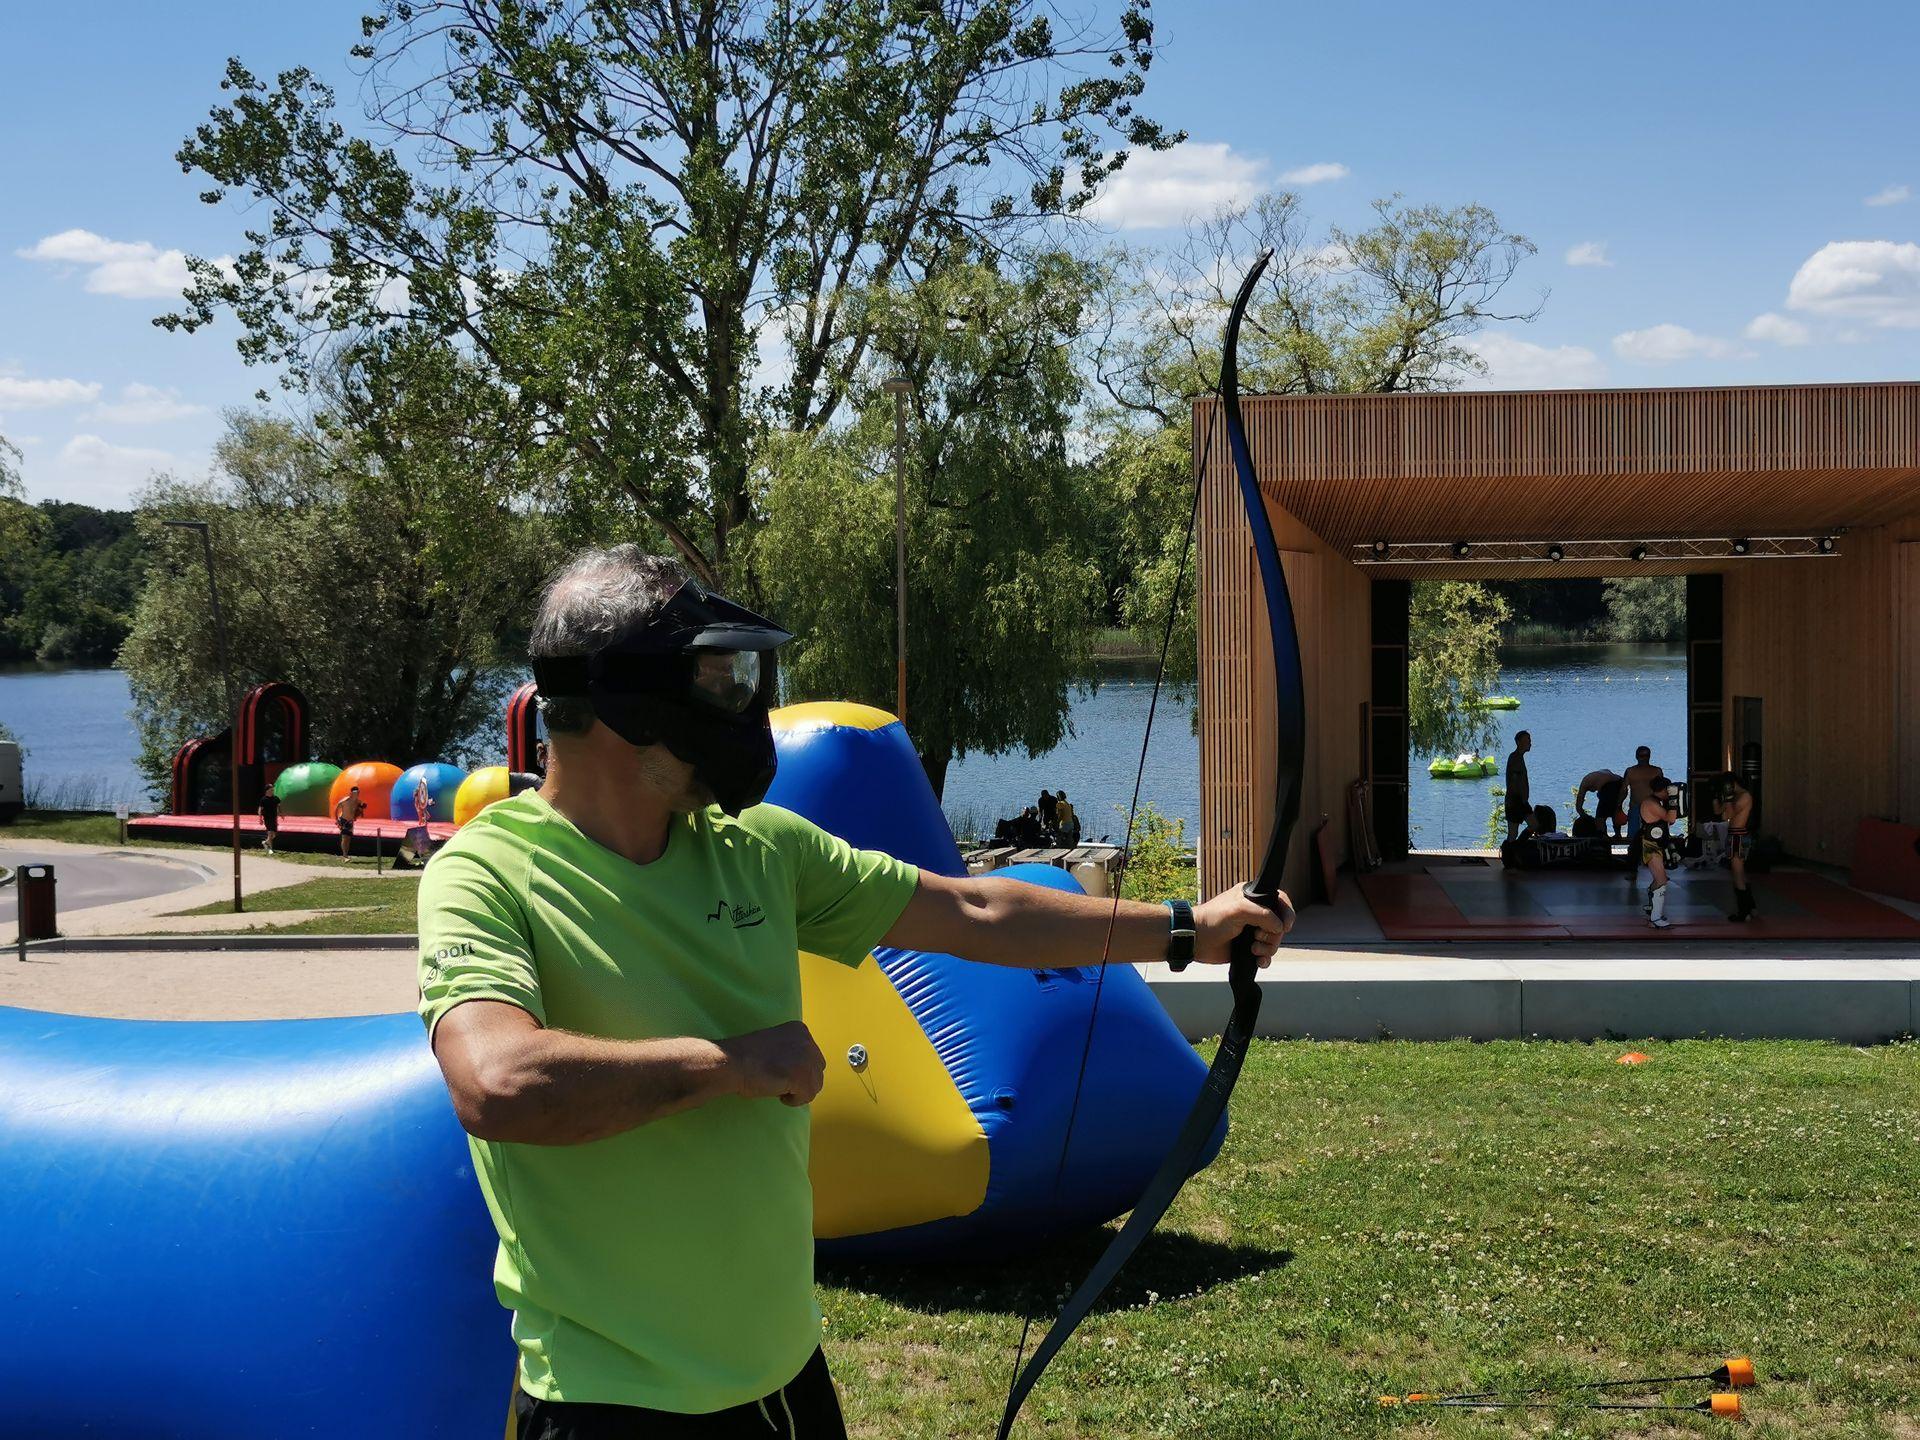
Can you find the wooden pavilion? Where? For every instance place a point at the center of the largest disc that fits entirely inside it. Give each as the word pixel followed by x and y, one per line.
pixel 1793 511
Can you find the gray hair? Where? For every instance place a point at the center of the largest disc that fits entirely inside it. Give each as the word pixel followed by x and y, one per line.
pixel 595 596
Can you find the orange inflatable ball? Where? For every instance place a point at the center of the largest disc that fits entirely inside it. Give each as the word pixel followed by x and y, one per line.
pixel 479 790
pixel 375 779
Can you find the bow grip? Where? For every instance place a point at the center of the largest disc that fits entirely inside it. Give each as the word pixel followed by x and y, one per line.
pixel 1243 968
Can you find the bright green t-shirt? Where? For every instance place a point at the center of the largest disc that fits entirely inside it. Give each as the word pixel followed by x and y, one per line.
pixel 671 1266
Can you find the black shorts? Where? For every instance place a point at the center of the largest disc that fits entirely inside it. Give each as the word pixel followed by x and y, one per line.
pixel 346 826
pixel 805 1408
pixel 1606 804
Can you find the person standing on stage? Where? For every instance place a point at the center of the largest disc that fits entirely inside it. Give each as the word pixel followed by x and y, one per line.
pixel 1733 802
pixel 1519 788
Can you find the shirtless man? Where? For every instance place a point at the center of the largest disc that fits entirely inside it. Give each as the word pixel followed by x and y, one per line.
pixel 1519 789
pixel 1734 804
pixel 1606 788
pixel 1638 776
pixel 1653 848
pixel 350 808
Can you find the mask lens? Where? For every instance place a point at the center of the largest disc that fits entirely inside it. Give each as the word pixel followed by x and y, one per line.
pixel 727 680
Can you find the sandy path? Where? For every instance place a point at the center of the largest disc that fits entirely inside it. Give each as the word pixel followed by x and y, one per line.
pixel 209 984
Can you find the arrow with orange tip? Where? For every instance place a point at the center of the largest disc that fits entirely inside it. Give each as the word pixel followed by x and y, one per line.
pixel 1735 1373
pixel 1725 1403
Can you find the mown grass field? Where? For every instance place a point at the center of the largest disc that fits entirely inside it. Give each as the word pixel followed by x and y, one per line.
pixel 368 905
pixel 1399 1216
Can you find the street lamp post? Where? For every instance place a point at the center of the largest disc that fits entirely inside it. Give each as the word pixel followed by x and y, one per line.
pixel 899 386
pixel 226 676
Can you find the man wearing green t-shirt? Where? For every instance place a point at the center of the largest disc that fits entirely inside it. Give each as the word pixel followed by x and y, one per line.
pixel 626 1053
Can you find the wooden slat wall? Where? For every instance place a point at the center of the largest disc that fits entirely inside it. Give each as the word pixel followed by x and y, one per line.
pixel 1906 603
pixel 1820 646
pixel 1754 460
pixel 1330 599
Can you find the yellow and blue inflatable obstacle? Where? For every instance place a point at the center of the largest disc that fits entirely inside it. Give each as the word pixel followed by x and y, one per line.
pixel 949 1083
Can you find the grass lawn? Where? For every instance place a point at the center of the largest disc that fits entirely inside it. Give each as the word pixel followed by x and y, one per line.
pixel 381 905
pixel 1399 1216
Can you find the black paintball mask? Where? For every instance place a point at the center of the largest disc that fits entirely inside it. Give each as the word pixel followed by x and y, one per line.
pixel 690 678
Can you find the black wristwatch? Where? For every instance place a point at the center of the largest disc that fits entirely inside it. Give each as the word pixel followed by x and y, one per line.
pixel 1180 935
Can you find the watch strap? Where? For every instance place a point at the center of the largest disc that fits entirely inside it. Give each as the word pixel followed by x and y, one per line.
pixel 1180 935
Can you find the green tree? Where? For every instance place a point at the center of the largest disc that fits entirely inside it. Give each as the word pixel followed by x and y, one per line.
pixel 1001 588
pixel 370 557
pixel 615 204
pixel 1386 308
pixel 1159 866
pixel 1645 608
pixel 1453 662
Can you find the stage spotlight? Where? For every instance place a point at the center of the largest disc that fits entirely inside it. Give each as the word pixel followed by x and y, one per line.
pixel 1555 552
pixel 1639 552
pixel 1741 547
pixel 1380 548
pixel 1461 549
pixel 1825 544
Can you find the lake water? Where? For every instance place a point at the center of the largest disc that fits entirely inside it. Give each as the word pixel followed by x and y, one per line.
pixel 1587 707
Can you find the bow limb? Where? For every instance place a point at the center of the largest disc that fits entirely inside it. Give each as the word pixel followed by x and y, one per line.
pixel 1242 971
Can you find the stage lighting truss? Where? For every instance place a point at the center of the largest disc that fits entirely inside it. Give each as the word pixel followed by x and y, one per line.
pixel 1645 552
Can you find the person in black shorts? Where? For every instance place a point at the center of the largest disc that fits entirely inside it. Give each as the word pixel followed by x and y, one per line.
pixel 805 1405
pixel 270 818
pixel 344 814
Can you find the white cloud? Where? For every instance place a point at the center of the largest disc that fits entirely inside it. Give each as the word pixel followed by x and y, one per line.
pixel 1891 195
pixel 131 269
pixel 1157 188
pixel 1664 344
pixel 1874 281
pixel 1515 364
pixel 1590 252
pixel 144 405
pixel 1316 174
pixel 97 472
pixel 19 393
pixel 1778 329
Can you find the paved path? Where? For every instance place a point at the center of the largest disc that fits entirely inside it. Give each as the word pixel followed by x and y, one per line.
pixel 140 891
pixel 91 878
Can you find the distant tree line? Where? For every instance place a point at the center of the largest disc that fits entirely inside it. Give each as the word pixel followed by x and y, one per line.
pixel 1635 610
pixel 68 576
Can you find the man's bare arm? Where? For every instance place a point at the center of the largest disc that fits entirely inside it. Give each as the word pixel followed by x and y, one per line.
pixel 513 1079
pixel 1005 922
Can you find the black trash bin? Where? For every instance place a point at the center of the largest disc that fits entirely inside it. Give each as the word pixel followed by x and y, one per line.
pixel 37 917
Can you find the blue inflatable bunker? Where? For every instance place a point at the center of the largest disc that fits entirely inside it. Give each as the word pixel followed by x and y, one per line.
pixel 252 1229
pixel 236 1230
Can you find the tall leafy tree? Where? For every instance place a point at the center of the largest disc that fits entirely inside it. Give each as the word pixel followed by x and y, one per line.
pixel 1453 662
pixel 1001 584
pixel 615 205
pixel 373 557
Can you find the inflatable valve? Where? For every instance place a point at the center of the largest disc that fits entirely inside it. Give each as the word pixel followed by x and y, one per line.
pixel 1725 1403
pixel 857 1056
pixel 1736 1374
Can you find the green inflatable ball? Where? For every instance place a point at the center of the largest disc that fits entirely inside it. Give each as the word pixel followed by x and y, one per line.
pixel 303 788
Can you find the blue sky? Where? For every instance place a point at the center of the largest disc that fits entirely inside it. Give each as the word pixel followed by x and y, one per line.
pixel 1720 193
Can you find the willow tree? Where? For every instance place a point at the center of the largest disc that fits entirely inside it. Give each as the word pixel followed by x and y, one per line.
pixel 1388 307
pixel 617 205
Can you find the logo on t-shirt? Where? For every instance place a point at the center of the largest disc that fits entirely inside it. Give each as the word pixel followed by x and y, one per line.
pixel 744 917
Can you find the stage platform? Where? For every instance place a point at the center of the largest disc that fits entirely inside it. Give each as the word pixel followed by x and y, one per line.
pixel 297 832
pixel 1479 899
